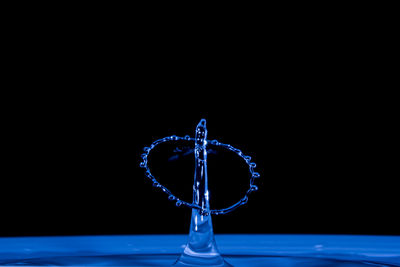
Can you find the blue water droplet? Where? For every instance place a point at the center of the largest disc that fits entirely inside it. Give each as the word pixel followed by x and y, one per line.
pixel 214 142
pixel 247 158
pixel 174 137
pixel 187 137
pixel 256 175
pixel 146 149
pixel 178 203
pixel 253 165
pixel 143 164
pixel 254 187
pixel 171 197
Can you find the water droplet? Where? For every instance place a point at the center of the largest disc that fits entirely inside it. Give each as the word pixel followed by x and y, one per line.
pixel 254 187
pixel 171 197
pixel 253 165
pixel 256 175
pixel 146 149
pixel 214 142
pixel 156 184
pixel 174 137
pixel 178 203
pixel 247 158
pixel 187 137
pixel 143 164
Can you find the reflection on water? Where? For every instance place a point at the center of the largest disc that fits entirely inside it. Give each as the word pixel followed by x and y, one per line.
pixel 238 250
pixel 169 259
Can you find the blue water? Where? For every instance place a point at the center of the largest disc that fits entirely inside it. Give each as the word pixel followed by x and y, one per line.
pixel 200 154
pixel 238 250
pixel 201 248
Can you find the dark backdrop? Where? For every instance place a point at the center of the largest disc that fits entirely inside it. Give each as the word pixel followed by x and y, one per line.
pixel 72 166
pixel 306 103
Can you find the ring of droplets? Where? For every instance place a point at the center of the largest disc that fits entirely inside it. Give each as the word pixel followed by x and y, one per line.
pixel 179 202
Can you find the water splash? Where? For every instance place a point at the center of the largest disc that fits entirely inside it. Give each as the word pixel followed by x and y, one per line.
pixel 201 249
pixel 179 202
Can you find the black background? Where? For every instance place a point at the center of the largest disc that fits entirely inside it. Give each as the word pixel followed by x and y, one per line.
pixel 74 169
pixel 307 107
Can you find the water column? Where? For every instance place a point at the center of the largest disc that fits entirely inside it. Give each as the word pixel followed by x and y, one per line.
pixel 201 249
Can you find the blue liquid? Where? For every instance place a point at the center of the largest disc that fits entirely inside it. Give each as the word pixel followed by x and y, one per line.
pixel 201 142
pixel 201 249
pixel 238 250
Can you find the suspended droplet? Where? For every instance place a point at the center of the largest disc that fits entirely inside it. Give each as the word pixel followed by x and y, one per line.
pixel 143 164
pixel 146 149
pixel 214 142
pixel 174 137
pixel 156 184
pixel 247 158
pixel 253 165
pixel 171 197
pixel 187 137
pixel 256 175
pixel 254 187
pixel 178 203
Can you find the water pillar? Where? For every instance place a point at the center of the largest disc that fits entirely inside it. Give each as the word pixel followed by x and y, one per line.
pixel 201 249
